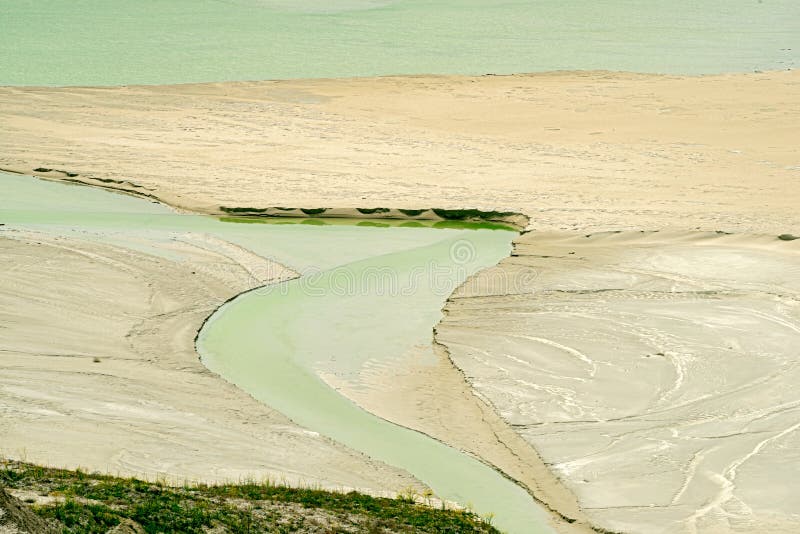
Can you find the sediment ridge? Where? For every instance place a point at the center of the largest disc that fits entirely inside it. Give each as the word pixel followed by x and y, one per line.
pixel 628 361
pixel 583 151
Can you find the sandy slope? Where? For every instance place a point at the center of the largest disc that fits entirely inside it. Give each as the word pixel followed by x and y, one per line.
pixel 655 372
pixel 99 370
pixel 572 150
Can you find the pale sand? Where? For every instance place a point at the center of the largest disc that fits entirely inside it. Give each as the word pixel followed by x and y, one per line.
pixel 655 372
pixel 588 151
pixel 148 407
pixel 591 151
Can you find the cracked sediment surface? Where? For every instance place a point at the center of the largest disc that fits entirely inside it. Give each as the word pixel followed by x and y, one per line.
pixel 655 372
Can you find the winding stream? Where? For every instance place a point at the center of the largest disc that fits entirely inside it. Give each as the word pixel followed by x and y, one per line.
pixel 368 295
pixel 271 342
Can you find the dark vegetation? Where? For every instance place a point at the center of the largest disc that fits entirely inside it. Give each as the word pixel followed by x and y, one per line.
pixel 464 215
pixel 460 215
pixel 466 225
pixel 313 211
pixel 70 174
pixel 108 180
pixel 93 503
pixel 412 213
pixel 243 210
pixel 370 211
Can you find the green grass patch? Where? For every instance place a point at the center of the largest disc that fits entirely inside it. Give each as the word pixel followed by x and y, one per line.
pixel 94 503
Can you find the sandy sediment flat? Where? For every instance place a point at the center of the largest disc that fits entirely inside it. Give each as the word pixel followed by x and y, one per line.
pixel 100 372
pixel 438 401
pixel 655 372
pixel 588 151
pixel 629 392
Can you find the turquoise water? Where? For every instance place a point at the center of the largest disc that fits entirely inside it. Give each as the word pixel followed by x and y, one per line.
pixel 270 342
pixel 369 295
pixel 111 42
pixel 93 213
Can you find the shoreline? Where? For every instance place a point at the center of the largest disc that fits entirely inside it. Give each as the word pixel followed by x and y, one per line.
pixel 513 220
pixel 584 152
pixel 162 413
pixel 547 73
pixel 509 456
pixel 563 519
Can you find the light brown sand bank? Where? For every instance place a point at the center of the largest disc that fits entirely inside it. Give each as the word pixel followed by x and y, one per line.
pixel 147 407
pixel 572 150
pixel 655 372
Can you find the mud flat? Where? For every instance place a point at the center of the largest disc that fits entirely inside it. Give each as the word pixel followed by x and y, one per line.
pixel 677 440
pixel 294 345
pixel 99 372
pixel 655 372
pixel 102 296
pixel 134 399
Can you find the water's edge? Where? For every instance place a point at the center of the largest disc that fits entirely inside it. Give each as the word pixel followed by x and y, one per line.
pixel 557 514
pixel 512 219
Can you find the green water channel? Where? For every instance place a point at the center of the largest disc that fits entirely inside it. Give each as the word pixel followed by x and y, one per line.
pixel 369 295
pixel 115 42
